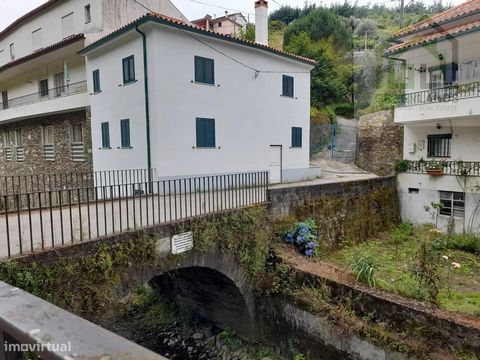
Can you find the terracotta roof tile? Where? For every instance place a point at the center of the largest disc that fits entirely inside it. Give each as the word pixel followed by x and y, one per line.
pixel 420 40
pixel 188 26
pixel 448 15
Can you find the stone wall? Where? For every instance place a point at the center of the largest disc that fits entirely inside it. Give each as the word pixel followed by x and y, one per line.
pixel 32 134
pixel 347 212
pixel 380 143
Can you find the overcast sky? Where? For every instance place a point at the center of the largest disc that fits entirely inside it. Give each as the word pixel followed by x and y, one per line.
pixel 193 9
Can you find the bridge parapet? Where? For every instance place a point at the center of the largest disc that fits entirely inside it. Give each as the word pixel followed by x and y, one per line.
pixel 31 325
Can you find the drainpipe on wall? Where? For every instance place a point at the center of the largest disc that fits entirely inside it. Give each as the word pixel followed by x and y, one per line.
pixel 147 106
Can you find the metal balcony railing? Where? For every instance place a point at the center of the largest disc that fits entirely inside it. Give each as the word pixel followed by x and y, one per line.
pixel 458 168
pixel 50 94
pixel 445 94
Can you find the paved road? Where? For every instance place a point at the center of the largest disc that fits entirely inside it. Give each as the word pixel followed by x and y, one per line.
pixel 37 230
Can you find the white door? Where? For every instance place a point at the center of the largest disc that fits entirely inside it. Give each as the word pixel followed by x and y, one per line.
pixel 275 163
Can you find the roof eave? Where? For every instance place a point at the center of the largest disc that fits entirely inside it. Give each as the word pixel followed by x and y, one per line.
pixel 148 18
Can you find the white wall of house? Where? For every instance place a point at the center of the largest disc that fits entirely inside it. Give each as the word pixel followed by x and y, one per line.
pixel 250 113
pixel 459 117
pixel 116 102
pixel 417 191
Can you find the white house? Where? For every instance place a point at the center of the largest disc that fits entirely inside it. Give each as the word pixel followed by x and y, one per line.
pixel 230 24
pixel 184 100
pixel 440 112
pixel 44 104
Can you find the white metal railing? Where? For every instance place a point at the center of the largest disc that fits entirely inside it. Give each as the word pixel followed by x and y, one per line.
pixel 54 93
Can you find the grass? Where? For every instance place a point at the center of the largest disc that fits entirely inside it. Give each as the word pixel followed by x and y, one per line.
pixel 396 256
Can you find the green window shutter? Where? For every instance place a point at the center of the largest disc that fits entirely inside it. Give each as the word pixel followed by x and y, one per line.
pixel 105 136
pixel 199 69
pixel 210 133
pixel 204 70
pixel 209 71
pixel 125 133
pixel 128 69
pixel 201 133
pixel 288 86
pixel 96 81
pixel 296 137
pixel 205 133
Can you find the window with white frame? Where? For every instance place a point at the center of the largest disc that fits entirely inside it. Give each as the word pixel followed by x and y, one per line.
pixel 13 145
pixel 453 204
pixel 436 79
pixel 37 39
pixel 48 143
pixel 77 146
pixel 12 51
pixel 467 71
pixel 88 15
pixel 439 145
pixel 67 25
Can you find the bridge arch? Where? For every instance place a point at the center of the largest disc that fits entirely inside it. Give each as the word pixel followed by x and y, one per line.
pixel 214 284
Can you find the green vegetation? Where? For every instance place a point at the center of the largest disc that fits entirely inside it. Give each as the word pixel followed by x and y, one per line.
pixel 247 234
pixel 84 286
pixel 364 267
pixel 348 42
pixel 422 264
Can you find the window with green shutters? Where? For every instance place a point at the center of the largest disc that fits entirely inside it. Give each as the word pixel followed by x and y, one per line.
pixel 288 86
pixel 96 81
pixel 296 137
pixel 125 133
pixel 205 133
pixel 204 70
pixel 105 135
pixel 128 69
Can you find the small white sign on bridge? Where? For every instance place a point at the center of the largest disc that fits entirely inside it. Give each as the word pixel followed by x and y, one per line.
pixel 182 243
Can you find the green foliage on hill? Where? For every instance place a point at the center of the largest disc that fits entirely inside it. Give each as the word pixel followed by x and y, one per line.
pixel 348 42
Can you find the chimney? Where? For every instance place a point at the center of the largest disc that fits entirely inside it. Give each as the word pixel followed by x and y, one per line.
pixel 261 22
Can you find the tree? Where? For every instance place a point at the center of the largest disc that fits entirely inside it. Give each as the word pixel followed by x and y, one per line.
pixel 366 29
pixel 321 24
pixel 285 14
pixel 248 33
pixel 331 77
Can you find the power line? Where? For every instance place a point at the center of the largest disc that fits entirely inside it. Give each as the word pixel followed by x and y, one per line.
pixel 257 71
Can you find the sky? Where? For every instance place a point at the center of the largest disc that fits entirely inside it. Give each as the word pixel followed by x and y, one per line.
pixel 193 9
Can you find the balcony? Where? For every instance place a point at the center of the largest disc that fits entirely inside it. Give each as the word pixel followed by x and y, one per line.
pixel 456 168
pixel 452 101
pixel 60 99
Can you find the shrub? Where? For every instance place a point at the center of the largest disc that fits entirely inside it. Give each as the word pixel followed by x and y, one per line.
pixel 401 166
pixel 302 235
pixel 325 116
pixel 364 267
pixel 344 109
pixel 401 233
pixel 427 270
pixel 467 243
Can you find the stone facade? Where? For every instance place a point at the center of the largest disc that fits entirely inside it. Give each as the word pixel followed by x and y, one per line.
pixel 34 161
pixel 380 143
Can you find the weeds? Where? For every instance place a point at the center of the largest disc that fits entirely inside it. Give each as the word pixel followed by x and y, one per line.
pixel 364 267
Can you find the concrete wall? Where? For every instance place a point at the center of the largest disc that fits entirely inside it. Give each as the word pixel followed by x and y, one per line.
pixel 380 143
pixel 245 126
pixel 416 191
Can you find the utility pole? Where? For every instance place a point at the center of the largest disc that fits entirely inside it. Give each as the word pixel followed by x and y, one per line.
pixel 402 12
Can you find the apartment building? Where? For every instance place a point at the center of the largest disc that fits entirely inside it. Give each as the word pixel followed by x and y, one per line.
pixel 440 111
pixel 45 103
